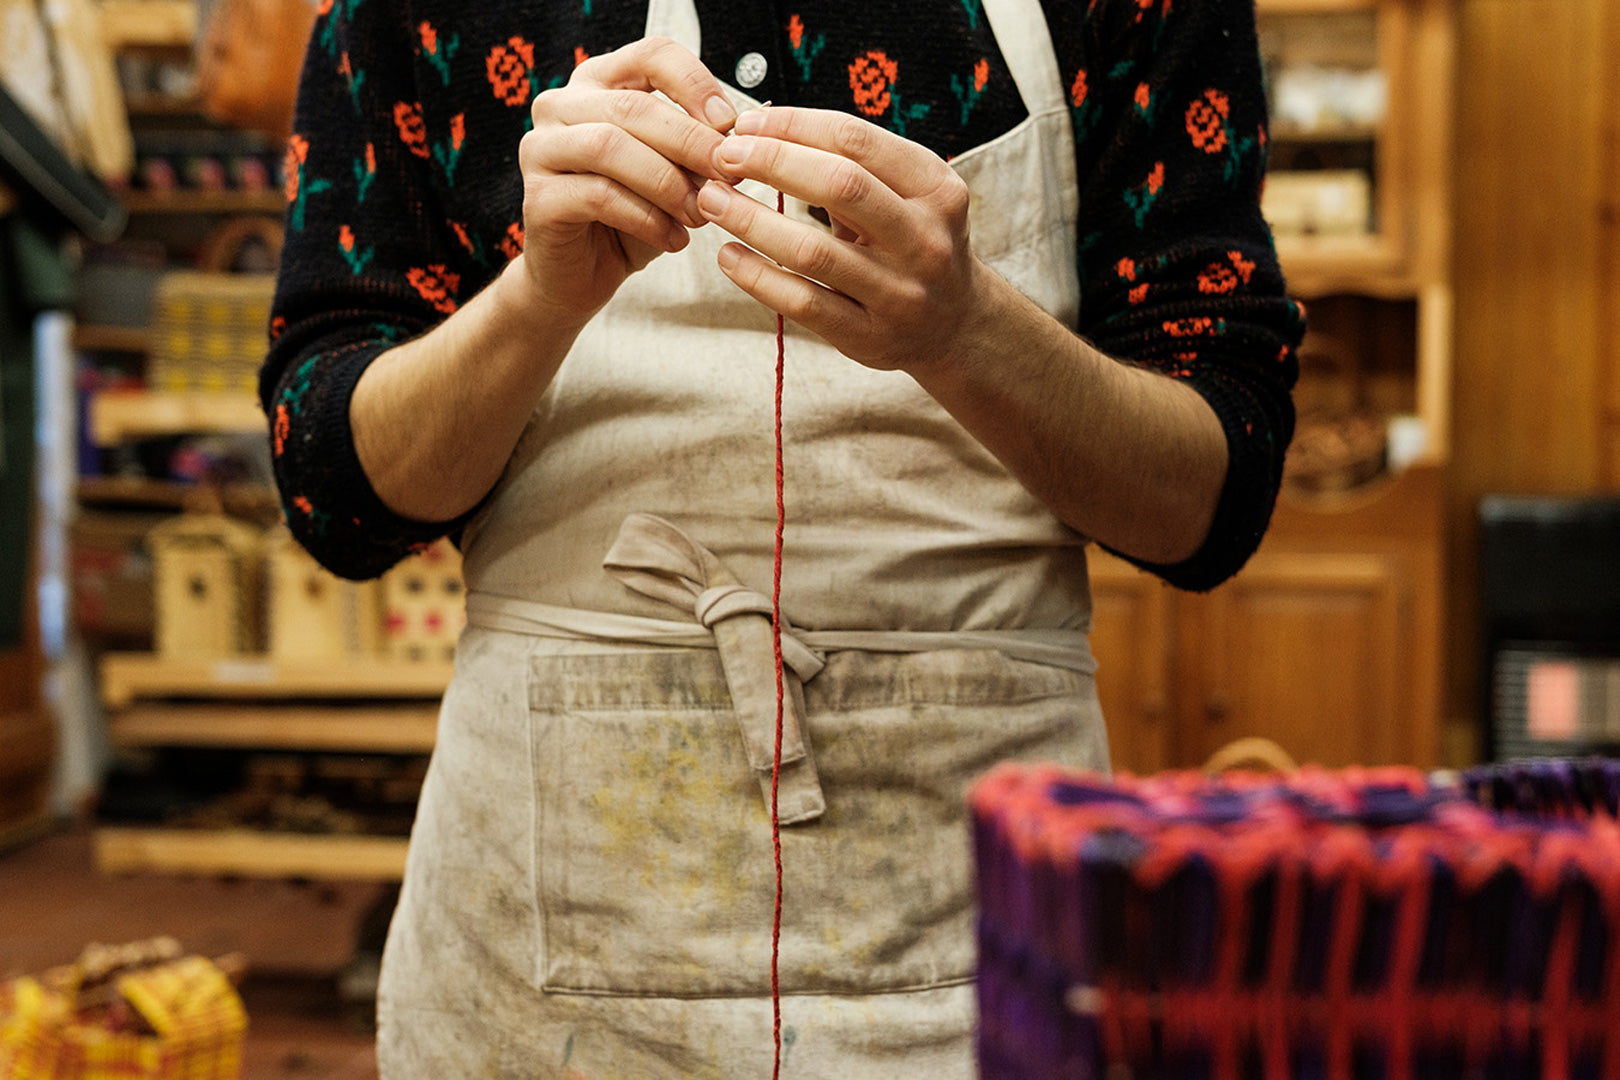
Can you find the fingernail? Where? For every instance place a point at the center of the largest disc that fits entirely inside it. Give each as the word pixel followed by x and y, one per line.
pixel 734 148
pixel 719 111
pixel 750 122
pixel 728 257
pixel 690 208
pixel 677 237
pixel 714 198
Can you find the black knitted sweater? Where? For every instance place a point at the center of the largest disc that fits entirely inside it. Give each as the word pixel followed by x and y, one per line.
pixel 404 199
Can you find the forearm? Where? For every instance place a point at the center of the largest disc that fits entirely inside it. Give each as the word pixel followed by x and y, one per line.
pixel 436 419
pixel 1128 457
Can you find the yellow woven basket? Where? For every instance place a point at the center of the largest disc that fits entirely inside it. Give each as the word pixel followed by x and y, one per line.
pixel 209 331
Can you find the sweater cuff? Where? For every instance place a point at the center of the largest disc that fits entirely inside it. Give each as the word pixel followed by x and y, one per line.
pixel 1248 492
pixel 329 501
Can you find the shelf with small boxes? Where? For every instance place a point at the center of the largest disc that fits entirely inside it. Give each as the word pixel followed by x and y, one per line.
pixel 169 422
pixel 258 656
pixel 197 337
pixel 1355 168
pixel 268 718
pixel 186 160
pixel 173 314
pixel 258 651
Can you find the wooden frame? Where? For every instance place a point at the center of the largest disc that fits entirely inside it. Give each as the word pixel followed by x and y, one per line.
pixel 127 677
pixel 249 853
pixel 121 415
pixel 403 728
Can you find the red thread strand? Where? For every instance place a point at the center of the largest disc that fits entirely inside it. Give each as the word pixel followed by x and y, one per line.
pixel 776 646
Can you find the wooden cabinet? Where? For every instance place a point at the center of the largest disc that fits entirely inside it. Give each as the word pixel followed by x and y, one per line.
pixel 1134 640
pixel 1361 87
pixel 1361 91
pixel 1306 650
pixel 1326 643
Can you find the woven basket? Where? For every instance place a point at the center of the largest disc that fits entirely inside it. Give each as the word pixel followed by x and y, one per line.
pixel 209 331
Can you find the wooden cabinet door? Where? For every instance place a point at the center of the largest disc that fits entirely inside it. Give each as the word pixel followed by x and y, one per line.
pixel 1131 638
pixel 1314 651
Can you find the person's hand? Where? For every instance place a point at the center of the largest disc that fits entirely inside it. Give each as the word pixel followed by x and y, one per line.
pixel 610 171
pixel 894 282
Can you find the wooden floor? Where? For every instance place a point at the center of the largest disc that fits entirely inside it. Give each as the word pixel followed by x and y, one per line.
pixel 298 938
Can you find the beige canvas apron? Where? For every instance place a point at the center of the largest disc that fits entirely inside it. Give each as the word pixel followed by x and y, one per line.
pixel 589 889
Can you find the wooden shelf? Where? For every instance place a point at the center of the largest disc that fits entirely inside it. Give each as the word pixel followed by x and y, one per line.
pixel 112 338
pixel 14 834
pixel 164 24
pixel 156 104
pixel 206 202
pixel 133 414
pixel 249 853
pixel 1324 135
pixel 406 728
pixel 1313 7
pixel 1319 266
pixel 129 677
pixel 171 494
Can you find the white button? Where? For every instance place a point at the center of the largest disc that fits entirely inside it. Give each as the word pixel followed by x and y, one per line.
pixel 751 70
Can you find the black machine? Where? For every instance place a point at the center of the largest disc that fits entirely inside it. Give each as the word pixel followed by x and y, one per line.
pixel 1550 625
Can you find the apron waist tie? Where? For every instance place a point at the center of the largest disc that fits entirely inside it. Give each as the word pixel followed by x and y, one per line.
pixel 655 558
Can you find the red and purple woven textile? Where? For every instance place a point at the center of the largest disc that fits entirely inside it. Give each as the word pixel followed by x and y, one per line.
pixel 1328 924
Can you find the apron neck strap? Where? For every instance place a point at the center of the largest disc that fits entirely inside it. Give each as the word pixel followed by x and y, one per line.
pixel 1025 40
pixel 676 20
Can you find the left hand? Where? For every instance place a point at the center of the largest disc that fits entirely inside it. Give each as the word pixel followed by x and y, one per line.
pixel 895 282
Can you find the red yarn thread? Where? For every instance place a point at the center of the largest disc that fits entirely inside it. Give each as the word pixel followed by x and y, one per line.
pixel 776 645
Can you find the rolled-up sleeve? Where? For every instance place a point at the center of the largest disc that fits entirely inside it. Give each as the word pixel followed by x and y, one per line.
pixel 1178 270
pixel 366 264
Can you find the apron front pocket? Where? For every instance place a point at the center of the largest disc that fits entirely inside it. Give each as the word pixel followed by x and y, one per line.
pixel 653 861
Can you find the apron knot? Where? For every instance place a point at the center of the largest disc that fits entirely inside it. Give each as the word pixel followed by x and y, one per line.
pixel 723 601
pixel 718 603
pixel 655 558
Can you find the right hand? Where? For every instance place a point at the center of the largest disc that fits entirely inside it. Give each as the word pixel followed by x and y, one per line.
pixel 611 173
